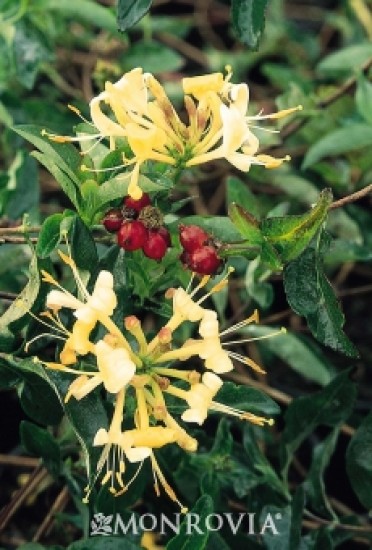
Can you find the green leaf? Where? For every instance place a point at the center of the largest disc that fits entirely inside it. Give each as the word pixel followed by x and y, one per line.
pixel 329 407
pixel 30 52
pixel 246 224
pixel 353 137
pixel 247 399
pixel 24 198
pixel 261 465
pixel 117 187
pixel 49 236
pixel 38 397
pixel 346 59
pixel 18 310
pixel 291 234
pixel 61 159
pixel 314 484
pixel 310 294
pixel 104 543
pixel 261 291
pixel 363 98
pixel 248 19
pixel 294 351
pixel 39 442
pixel 194 540
pixel 86 416
pixel 131 11
pixel 152 56
pixel 87 11
pixel 238 192
pixel 358 462
pixel 83 247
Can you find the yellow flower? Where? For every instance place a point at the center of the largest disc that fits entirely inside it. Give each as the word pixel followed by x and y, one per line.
pixel 218 125
pixel 200 397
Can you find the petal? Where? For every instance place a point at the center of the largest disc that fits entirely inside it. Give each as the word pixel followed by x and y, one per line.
pixel 234 129
pixel 240 161
pixel 200 85
pixel 195 415
pixel 115 366
pixel 209 326
pixel 138 454
pixel 101 438
pixel 103 123
pixel 219 362
pixel 212 381
pixel 57 299
pixel 239 95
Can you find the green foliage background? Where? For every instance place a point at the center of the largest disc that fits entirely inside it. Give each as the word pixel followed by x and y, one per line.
pixel 305 264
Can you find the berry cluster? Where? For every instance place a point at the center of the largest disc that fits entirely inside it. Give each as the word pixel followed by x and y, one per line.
pixel 200 250
pixel 138 225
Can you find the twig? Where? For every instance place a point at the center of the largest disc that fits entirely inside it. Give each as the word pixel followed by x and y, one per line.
pixel 58 505
pixel 6 514
pixel 19 461
pixel 19 230
pixel 278 395
pixel 293 127
pixel 352 198
pixel 17 240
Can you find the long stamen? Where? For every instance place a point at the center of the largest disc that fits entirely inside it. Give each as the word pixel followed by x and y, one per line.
pixel 167 488
pixel 44 334
pixel 246 361
pixel 254 318
pixel 283 330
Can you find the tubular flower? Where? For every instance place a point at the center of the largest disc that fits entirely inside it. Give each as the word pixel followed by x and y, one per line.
pixel 142 369
pixel 141 113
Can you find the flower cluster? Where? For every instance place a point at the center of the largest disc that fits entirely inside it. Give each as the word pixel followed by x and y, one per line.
pixel 124 362
pixel 139 226
pixel 141 113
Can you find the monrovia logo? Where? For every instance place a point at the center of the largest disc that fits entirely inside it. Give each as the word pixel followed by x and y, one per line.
pixel 135 524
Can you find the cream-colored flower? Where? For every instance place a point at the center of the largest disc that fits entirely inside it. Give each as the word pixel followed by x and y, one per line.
pixel 200 397
pixel 216 358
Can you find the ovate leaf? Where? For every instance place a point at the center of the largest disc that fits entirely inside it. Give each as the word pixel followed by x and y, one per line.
pixel 358 462
pixel 248 19
pixel 351 138
pixel 246 224
pixel 289 235
pixel 39 442
pixel 328 407
pixel 49 236
pixel 131 11
pixel 194 540
pixel 310 294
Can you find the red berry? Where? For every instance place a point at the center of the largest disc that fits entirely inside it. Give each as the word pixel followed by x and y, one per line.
pixel 204 261
pixel 165 234
pixel 137 205
pixel 192 237
pixel 155 245
pixel 113 220
pixel 132 235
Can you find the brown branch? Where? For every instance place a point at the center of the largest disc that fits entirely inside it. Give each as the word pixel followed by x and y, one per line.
pixel 352 198
pixel 17 240
pixel 6 514
pixel 19 461
pixel 293 127
pixel 278 395
pixel 19 230
pixel 58 505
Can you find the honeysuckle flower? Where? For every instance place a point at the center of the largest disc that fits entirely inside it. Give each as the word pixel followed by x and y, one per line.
pixel 200 397
pixel 141 112
pixel 143 369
